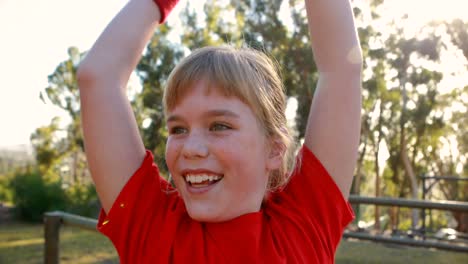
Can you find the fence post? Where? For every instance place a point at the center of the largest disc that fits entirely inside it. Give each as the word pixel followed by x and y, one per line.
pixel 52 222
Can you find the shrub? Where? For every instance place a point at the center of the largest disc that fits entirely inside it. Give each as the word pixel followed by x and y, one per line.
pixel 5 191
pixel 82 200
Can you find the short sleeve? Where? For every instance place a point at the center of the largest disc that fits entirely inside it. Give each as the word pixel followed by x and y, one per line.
pixel 314 195
pixel 137 207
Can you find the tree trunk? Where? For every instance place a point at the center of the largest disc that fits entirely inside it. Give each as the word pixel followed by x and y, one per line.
pixel 357 179
pixel 377 189
pixel 413 181
pixel 394 218
pixel 404 154
pixel 75 167
pixel 377 165
pixel 462 221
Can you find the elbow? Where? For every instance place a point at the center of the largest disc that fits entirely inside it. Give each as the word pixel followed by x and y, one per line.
pixel 346 62
pixel 86 76
pixel 354 58
pixel 92 74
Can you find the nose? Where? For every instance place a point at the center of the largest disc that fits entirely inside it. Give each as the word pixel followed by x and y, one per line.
pixel 195 146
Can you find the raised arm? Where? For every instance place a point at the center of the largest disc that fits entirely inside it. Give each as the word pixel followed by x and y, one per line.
pixel 114 148
pixel 333 127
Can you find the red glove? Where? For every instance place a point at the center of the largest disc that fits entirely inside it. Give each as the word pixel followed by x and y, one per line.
pixel 165 7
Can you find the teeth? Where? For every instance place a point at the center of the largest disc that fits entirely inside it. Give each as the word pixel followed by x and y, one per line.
pixel 198 178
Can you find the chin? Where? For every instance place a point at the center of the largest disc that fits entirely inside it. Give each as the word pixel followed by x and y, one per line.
pixel 211 215
pixel 204 215
pixel 203 211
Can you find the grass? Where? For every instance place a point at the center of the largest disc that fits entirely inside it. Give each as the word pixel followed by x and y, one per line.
pixel 24 243
pixel 362 252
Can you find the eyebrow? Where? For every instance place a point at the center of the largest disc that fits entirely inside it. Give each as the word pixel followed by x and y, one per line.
pixel 210 113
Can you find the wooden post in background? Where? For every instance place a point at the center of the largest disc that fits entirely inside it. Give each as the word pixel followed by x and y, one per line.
pixel 52 222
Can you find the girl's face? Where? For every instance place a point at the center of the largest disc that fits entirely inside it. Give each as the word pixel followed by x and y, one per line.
pixel 217 154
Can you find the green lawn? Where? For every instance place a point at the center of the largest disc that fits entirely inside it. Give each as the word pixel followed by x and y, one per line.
pixel 354 252
pixel 23 243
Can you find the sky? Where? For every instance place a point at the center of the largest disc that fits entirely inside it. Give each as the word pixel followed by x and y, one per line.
pixel 35 36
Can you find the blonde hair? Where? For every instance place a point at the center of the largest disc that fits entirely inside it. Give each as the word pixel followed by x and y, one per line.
pixel 252 77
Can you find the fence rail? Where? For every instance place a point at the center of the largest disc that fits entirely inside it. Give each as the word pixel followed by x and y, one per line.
pixel 410 203
pixel 54 220
pixel 407 241
pixel 52 224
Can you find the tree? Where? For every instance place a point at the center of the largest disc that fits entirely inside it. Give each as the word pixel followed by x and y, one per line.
pixel 47 147
pixel 63 92
pixel 409 96
pixel 159 59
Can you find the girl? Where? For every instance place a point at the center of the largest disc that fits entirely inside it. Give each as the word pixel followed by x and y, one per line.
pixel 238 198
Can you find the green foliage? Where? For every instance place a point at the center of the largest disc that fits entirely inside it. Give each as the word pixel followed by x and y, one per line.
pixel 457 30
pixel 6 195
pixel 59 146
pixel 154 69
pixel 47 150
pixel 63 87
pixel 33 195
pixel 82 200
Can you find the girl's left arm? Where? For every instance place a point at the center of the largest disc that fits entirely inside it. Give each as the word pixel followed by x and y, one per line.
pixel 333 127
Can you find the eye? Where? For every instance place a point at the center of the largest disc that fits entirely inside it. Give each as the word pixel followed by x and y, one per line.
pixel 219 127
pixel 177 130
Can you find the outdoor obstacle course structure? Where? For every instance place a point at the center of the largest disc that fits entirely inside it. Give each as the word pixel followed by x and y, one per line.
pixel 410 203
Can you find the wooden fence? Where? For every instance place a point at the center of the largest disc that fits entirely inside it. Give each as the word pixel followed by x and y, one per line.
pixel 54 220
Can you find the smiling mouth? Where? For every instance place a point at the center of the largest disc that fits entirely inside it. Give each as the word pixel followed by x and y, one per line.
pixel 201 180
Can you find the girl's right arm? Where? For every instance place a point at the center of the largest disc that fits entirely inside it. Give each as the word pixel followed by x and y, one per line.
pixel 114 148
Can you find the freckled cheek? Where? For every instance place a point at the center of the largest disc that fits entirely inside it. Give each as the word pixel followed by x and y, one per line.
pixel 172 150
pixel 232 151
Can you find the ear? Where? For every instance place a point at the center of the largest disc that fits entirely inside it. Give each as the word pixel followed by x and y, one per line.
pixel 275 154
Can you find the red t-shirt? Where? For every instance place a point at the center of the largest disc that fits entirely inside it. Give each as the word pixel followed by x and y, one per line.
pixel 148 222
